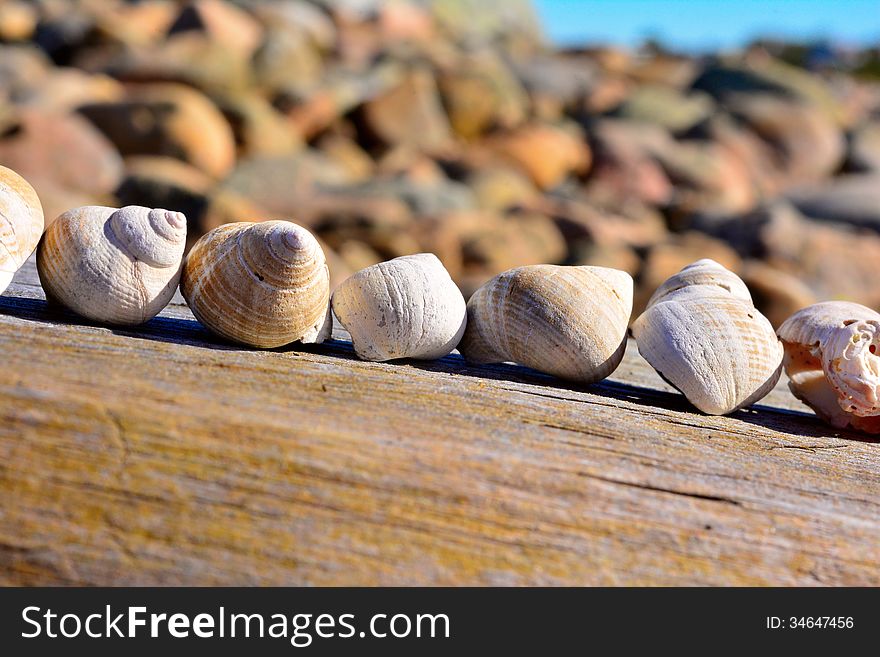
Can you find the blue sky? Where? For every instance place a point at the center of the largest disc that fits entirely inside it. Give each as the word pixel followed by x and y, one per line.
pixel 708 24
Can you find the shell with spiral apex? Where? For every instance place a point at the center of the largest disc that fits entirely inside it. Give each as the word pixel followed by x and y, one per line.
pixel 408 307
pixel 118 266
pixel 260 284
pixel 21 224
pixel 568 321
pixel 832 358
pixel 703 334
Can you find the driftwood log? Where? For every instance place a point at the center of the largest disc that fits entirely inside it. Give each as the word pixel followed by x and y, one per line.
pixel 161 455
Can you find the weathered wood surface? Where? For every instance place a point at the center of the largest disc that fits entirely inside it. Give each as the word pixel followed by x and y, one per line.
pixel 161 455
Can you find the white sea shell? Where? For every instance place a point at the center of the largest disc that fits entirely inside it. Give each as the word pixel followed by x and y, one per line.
pixel 408 307
pixel 832 358
pixel 261 284
pixel 702 334
pixel 119 266
pixel 21 224
pixel 566 321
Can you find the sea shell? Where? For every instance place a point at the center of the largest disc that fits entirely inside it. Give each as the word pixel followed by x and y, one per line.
pixel 260 284
pixel 702 333
pixel 833 364
pixel 21 224
pixel 566 321
pixel 407 307
pixel 119 266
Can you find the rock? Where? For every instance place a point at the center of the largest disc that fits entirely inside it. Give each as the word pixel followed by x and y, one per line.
pixel 301 17
pixel 519 238
pixel 60 152
pixel 166 119
pixel 480 94
pixel 222 22
pixel 500 188
pixel 671 71
pixel 225 207
pixel 410 113
pixel 620 257
pixel 382 224
pixel 564 80
pixel 757 155
pixel 163 182
pixel 68 88
pixel 705 175
pixel 424 198
pixel 582 222
pixel 835 261
pixel 864 148
pixel 490 243
pixel 776 293
pixel 811 146
pixel 666 107
pixel 405 21
pixel 18 20
pixel 188 58
pixel 623 169
pixel 280 184
pixel 852 199
pixel 259 129
pixel 340 91
pixel 22 70
pixel 547 153
pixel 346 153
pixel 287 60
pixel 135 24
pixel 766 75
pixel 356 255
pixel 512 22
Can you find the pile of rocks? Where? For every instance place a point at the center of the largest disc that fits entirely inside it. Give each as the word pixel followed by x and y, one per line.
pixel 449 126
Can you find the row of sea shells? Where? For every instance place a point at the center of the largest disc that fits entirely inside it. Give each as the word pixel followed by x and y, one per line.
pixel 267 284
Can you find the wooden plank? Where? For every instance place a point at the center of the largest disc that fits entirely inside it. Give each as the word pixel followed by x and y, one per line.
pixel 161 455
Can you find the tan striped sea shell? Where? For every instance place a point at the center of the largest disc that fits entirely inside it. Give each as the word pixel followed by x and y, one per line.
pixel 21 224
pixel 118 266
pixel 261 284
pixel 566 321
pixel 832 358
pixel 702 333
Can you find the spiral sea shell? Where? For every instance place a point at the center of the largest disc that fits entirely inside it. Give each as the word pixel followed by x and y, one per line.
pixel 119 266
pixel 833 364
pixel 261 284
pixel 702 333
pixel 566 321
pixel 21 223
pixel 407 307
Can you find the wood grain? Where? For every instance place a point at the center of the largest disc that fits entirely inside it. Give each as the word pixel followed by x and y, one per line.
pixel 161 455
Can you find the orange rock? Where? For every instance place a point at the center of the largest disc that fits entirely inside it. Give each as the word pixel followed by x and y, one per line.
pixel 403 21
pixel 60 152
pixel 776 293
pixel 410 113
pixel 223 22
pixel 812 146
pixel 18 20
pixel 547 153
pixel 168 119
pixel 480 93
